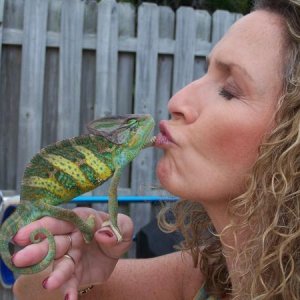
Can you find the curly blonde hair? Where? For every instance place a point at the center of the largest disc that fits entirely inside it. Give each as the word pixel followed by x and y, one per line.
pixel 268 262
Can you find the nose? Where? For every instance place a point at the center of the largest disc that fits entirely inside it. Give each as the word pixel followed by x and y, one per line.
pixel 181 106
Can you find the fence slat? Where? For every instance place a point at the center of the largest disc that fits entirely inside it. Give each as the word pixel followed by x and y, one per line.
pixel 106 58
pixel 184 48
pixel 49 131
pixel 126 65
pixel 1 23
pixel 221 21
pixel 106 65
pixel 164 73
pixel 10 96
pixel 145 94
pixel 32 81
pixel 70 68
pixel 203 21
pixel 88 81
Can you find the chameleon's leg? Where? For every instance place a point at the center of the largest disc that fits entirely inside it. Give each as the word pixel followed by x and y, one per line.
pixel 86 227
pixel 113 204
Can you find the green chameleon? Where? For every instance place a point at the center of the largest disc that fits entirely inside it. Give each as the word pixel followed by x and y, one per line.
pixel 69 168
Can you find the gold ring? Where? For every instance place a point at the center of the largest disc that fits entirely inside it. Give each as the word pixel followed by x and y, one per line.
pixel 70 244
pixel 70 257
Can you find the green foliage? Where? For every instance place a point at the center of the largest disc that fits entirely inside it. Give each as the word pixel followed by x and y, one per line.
pixel 240 6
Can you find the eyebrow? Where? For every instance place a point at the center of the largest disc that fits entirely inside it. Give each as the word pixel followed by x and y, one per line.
pixel 229 66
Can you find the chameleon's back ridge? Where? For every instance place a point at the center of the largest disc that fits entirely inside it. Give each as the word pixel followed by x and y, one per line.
pixel 69 168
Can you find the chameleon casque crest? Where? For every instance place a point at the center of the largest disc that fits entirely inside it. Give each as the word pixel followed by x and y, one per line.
pixel 69 168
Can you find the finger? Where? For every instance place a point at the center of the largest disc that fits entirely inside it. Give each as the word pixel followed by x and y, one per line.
pixel 29 287
pixel 34 253
pixel 55 226
pixel 107 241
pixel 63 270
pixel 70 289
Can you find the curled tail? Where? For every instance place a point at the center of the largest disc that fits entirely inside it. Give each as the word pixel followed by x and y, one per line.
pixel 9 229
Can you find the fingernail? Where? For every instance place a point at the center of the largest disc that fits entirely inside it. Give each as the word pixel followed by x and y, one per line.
pixel 67 297
pixel 106 232
pixel 44 283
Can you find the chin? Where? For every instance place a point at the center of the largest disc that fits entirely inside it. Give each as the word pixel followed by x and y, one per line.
pixel 164 174
pixel 166 177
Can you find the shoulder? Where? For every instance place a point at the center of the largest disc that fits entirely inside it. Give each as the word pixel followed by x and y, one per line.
pixel 192 277
pixel 185 278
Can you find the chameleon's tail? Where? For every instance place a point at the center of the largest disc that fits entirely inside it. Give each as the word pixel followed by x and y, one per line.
pixel 8 230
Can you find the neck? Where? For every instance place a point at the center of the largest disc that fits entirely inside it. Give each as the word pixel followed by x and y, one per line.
pixel 220 219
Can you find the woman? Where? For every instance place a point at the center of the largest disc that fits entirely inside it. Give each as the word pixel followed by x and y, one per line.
pixel 232 149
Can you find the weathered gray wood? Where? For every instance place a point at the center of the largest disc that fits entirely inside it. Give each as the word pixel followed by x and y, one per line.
pixel 88 82
pixel 2 108
pixel 9 95
pixel 106 64
pixel 1 23
pixel 145 95
pixel 221 21
pixel 6 294
pixel 164 73
pixel 49 130
pixel 125 81
pixel 70 68
pixel 93 53
pixel 106 58
pixel 13 14
pixel 185 48
pixel 126 60
pixel 127 19
pixel 203 21
pixel 32 81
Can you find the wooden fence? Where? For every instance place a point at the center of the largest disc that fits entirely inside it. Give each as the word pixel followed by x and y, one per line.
pixel 66 62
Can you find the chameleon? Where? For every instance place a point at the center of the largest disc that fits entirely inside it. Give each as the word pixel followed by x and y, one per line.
pixel 69 168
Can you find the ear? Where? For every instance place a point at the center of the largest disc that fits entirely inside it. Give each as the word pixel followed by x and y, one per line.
pixel 115 129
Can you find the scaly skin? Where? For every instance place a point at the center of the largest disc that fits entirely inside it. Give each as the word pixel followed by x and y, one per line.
pixel 69 168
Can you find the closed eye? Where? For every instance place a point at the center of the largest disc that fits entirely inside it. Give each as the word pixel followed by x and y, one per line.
pixel 226 94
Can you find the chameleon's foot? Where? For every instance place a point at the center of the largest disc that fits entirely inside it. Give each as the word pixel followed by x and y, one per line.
pixel 115 230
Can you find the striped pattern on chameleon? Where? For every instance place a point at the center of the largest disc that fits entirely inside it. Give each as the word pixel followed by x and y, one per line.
pixel 67 169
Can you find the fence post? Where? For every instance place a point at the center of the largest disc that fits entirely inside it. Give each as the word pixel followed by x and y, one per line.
pixel 203 45
pixel 1 26
pixel 164 73
pixel 106 58
pixel 50 109
pixel 32 81
pixel 125 81
pixel 184 48
pixel 70 68
pixel 145 94
pixel 221 21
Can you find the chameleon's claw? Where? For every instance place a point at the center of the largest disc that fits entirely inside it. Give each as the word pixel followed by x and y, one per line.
pixel 115 230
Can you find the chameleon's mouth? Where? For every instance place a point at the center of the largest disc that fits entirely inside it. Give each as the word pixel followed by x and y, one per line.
pixel 150 142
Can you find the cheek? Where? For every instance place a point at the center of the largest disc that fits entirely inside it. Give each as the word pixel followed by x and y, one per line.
pixel 236 143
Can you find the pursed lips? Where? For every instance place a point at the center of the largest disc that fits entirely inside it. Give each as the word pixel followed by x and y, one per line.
pixel 164 137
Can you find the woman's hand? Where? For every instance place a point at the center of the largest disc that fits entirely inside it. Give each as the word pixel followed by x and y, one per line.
pixel 85 264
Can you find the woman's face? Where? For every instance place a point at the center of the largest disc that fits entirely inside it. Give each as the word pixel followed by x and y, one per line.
pixel 219 120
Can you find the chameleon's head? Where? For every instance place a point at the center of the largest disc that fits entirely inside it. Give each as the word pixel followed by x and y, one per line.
pixel 132 132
